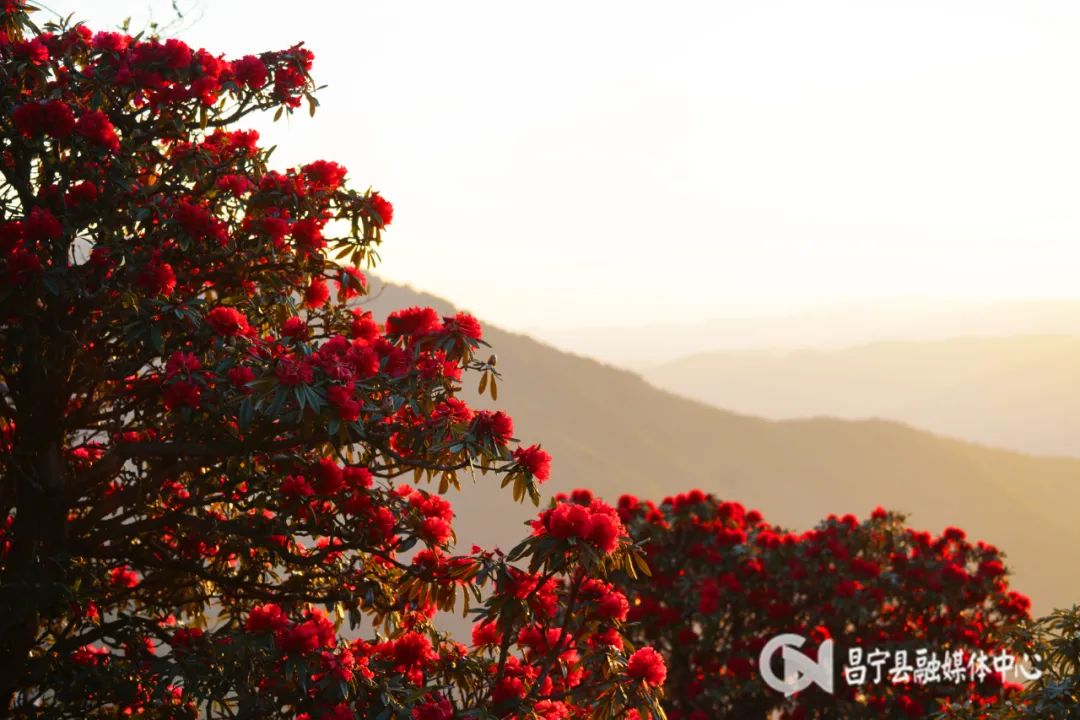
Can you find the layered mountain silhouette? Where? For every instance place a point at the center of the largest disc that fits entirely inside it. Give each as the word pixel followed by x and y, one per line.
pixel 609 430
pixel 854 323
pixel 1021 393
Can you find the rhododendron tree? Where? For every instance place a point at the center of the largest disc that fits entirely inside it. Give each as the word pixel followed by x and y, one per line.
pixel 222 485
pixel 724 582
pixel 1054 690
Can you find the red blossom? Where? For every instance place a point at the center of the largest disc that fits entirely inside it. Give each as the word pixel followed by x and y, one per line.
pixel 324 175
pixel 464 324
pixel 41 226
pixel 240 376
pixel 28 119
pixel 33 51
pixel 536 461
pixel 290 371
pixel 307 234
pixel 413 322
pixel 266 617
pixel 95 126
pixel 226 321
pixel 294 327
pixel 648 666
pixel 498 426
pixel 250 71
pixel 123 577
pixel 81 193
pixel 383 209
pixel 157 278
pixel 350 283
pixel 182 394
pixel 317 293
pixel 57 119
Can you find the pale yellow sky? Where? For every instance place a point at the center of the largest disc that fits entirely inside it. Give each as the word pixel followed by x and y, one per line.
pixel 564 164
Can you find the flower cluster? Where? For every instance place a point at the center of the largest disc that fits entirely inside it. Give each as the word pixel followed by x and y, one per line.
pixel 724 582
pixel 582 518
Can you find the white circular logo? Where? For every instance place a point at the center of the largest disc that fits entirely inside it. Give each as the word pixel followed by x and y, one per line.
pixel 800 671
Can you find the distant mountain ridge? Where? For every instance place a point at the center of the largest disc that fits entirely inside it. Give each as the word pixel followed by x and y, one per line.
pixel 611 431
pixel 1021 393
pixel 855 323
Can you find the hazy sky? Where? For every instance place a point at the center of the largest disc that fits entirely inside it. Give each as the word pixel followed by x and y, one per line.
pixel 557 164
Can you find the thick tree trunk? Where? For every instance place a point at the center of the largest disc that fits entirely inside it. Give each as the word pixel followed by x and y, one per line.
pixel 32 578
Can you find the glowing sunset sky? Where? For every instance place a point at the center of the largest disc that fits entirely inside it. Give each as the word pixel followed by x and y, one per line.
pixel 558 164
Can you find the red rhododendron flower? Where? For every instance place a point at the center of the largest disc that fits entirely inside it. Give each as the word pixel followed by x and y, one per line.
pixel 226 321
pixel 80 193
pixel 342 399
pixel 605 532
pixel 95 126
pixel 413 321
pixel 251 71
pixel 324 175
pixel 536 461
pixel 341 711
pixel 440 709
pixel 569 520
pixel 495 425
pixel 240 376
pixel 351 282
pixel 181 362
pixel 613 606
pixel 199 224
pixel 297 486
pixel 90 656
pixel 436 530
pixel 485 634
pixel 294 372
pixel 305 637
pixel 41 226
pixel 317 293
pixel 185 637
pixel 27 119
pixel 465 324
pixel 157 278
pixel 555 710
pixel 235 185
pixel 57 119
pixel 182 394
pixel 412 650
pixel 363 326
pixel 111 42
pixel 294 327
pixel 123 577
pixel 21 266
pixel 33 51
pixel 382 208
pixel 328 477
pixel 307 234
pixel 648 666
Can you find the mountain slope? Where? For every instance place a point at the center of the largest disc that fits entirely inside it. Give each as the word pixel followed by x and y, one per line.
pixel 609 430
pixel 1016 392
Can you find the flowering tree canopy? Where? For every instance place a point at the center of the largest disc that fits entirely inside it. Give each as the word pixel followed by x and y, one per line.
pixel 724 582
pixel 203 506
